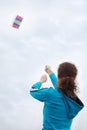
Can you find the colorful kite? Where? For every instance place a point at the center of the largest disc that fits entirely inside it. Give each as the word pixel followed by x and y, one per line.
pixel 17 22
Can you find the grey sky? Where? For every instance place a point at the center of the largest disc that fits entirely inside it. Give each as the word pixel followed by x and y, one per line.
pixel 52 32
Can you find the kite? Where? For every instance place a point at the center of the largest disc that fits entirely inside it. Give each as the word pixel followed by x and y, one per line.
pixel 17 22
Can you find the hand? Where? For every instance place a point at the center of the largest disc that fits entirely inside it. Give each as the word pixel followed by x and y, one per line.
pixel 43 78
pixel 48 69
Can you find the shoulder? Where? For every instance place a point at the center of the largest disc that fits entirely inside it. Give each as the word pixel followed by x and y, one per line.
pixel 54 92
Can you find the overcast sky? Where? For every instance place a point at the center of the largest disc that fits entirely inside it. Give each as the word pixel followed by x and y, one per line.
pixel 52 32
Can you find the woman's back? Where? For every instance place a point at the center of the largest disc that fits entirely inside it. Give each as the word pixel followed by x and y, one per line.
pixel 54 112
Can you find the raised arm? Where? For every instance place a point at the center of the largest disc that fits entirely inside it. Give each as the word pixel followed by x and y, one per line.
pixel 52 76
pixel 37 92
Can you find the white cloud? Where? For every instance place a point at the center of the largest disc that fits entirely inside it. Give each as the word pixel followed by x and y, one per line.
pixel 51 32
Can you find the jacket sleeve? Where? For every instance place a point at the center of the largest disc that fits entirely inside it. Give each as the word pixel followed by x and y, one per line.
pixel 39 93
pixel 54 79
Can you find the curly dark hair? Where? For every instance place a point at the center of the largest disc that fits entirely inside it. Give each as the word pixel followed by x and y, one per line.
pixel 67 73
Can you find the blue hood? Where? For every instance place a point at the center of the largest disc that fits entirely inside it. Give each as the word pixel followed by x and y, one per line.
pixel 73 106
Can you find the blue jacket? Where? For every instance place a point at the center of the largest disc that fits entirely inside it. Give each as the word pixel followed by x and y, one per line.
pixel 59 110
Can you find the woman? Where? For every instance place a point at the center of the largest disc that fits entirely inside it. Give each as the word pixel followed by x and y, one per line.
pixel 61 103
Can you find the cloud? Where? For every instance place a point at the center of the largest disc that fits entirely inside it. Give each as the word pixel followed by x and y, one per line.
pixel 51 32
